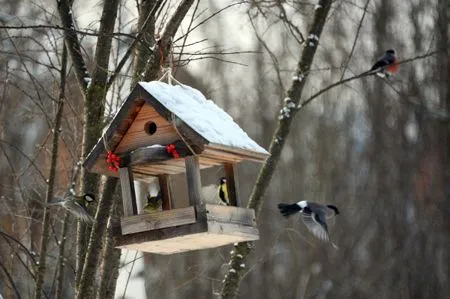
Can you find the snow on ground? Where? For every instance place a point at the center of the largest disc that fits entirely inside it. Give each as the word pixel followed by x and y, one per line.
pixel 202 115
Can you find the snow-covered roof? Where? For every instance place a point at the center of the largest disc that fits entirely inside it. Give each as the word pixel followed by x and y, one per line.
pixel 202 115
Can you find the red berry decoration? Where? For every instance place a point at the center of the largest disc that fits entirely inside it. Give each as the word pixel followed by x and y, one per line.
pixel 171 149
pixel 113 160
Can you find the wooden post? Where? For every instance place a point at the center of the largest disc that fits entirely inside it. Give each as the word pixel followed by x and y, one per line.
pixel 164 185
pixel 231 176
pixel 128 193
pixel 194 185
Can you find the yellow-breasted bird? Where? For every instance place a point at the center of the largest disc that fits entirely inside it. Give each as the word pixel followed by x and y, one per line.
pixel 76 205
pixel 216 194
pixel 154 203
pixel 223 191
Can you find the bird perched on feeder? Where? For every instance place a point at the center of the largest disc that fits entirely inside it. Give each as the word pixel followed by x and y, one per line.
pixel 314 215
pixel 217 194
pixel 386 65
pixel 154 203
pixel 76 205
pixel 223 191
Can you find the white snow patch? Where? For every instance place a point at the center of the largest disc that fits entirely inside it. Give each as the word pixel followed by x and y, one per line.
pixel 317 6
pixel 202 115
pixel 232 270
pixel 242 265
pixel 299 77
pixel 313 37
pixel 88 81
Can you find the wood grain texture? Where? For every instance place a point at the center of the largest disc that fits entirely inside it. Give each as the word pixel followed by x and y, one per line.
pixel 128 192
pixel 229 214
pixel 231 176
pixel 218 234
pixel 166 192
pixel 157 220
pixel 224 225
pixel 137 137
pixel 194 185
pixel 116 130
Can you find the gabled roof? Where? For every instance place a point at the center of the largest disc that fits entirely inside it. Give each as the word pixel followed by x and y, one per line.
pixel 202 115
pixel 207 129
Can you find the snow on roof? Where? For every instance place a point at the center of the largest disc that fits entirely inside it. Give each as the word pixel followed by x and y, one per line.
pixel 202 115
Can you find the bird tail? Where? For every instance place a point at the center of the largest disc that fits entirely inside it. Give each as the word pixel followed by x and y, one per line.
pixel 288 209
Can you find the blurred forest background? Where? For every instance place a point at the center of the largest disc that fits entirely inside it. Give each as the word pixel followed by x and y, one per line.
pixel 378 149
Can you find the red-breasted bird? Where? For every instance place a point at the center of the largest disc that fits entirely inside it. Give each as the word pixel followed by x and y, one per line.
pixel 314 215
pixel 386 65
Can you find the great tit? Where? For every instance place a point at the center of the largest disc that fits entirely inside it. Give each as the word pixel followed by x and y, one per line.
pixel 216 194
pixel 223 191
pixel 154 203
pixel 76 205
pixel 314 215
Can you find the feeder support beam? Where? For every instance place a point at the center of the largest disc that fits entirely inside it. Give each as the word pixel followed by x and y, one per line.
pixel 194 185
pixel 128 193
pixel 230 175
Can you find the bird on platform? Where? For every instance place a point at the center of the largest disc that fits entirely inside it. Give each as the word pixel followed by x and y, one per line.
pixel 223 191
pixel 386 65
pixel 154 203
pixel 314 215
pixel 76 205
pixel 216 194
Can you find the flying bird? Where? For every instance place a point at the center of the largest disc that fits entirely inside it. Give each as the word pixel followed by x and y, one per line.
pixel 386 65
pixel 76 205
pixel 314 215
pixel 154 203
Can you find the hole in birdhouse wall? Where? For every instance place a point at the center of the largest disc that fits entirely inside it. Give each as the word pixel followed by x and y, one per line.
pixel 150 128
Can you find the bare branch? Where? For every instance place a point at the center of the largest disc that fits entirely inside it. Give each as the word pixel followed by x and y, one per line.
pixel 350 55
pixel 294 94
pixel 362 75
pixel 73 43
pixel 130 49
pixel 58 27
pixel 11 280
pixel 164 44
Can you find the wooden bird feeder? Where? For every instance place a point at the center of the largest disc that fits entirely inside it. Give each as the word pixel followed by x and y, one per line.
pixel 162 130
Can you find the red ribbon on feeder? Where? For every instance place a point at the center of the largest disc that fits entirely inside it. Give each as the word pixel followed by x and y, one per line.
pixel 171 149
pixel 113 160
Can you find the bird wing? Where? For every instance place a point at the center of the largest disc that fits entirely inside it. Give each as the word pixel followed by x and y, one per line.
pixel 385 60
pixel 317 225
pixel 77 210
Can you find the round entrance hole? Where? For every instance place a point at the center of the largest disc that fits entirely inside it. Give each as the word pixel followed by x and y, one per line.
pixel 150 128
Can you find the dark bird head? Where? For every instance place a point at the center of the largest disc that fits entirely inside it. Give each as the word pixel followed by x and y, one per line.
pixel 336 211
pixel 153 199
pixel 390 51
pixel 88 197
pixel 223 180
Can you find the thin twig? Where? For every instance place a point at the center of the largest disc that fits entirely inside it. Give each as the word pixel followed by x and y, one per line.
pixel 350 55
pixel 362 75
